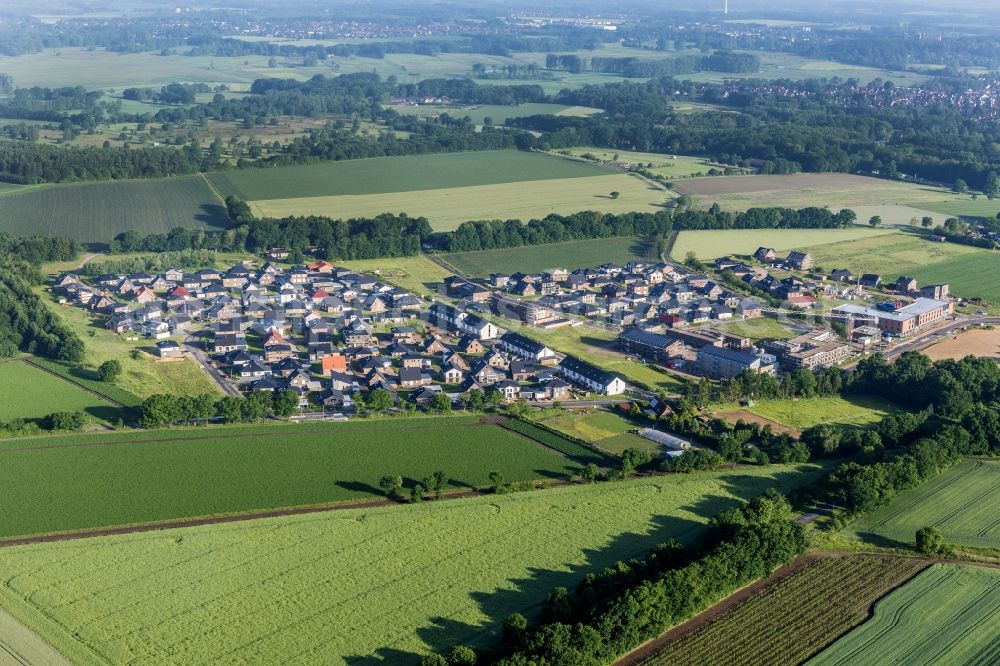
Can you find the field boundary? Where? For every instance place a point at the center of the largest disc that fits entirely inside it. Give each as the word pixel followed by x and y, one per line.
pixel 69 380
pixel 213 188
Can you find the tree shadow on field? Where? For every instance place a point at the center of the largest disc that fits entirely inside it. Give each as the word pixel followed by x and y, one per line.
pixel 107 413
pixel 882 541
pixel 358 487
pixel 213 215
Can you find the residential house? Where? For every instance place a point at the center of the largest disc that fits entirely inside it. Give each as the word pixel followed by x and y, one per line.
pixel 590 377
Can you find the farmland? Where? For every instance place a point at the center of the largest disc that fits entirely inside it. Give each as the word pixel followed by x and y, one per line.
pixel 499 114
pixel 446 208
pixel 668 166
pixel 961 266
pixel 797 616
pixel 961 503
pixel 408 173
pixel 27 392
pixel 711 244
pixel 96 212
pixel 946 615
pixel 385 583
pixel 606 430
pixel 58 484
pixel 569 255
pixel 869 196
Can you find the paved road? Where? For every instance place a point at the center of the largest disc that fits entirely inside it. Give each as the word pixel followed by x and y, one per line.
pixel 929 337
pixel 201 359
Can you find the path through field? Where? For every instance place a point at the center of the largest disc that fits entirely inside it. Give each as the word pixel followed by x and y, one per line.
pixel 20 645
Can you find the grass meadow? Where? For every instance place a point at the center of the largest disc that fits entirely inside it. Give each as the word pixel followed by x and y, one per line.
pixel 60 484
pixel 606 430
pixel 569 255
pixel 141 375
pixel 407 173
pixel 380 585
pixel 668 166
pixel 96 212
pixel 719 243
pixel 946 615
pixel 961 503
pixel 29 393
pixel 803 413
pixel 792 620
pixel 447 208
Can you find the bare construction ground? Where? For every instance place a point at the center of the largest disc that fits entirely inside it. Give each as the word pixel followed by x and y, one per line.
pixel 984 342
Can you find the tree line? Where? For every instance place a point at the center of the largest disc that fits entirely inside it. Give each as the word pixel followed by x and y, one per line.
pixel 634 67
pixel 26 323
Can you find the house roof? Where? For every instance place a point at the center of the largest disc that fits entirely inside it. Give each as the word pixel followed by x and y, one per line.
pixel 588 371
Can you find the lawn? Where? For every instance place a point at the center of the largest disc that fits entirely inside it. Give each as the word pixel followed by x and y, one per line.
pixel 96 212
pixel 946 615
pixel 378 585
pixel 668 166
pixel 142 376
pixel 961 503
pixel 393 175
pixel 759 328
pixel 792 620
pixel 446 208
pixel 961 266
pixel 606 430
pixel 711 244
pixel 570 255
pixel 29 393
pixel 59 484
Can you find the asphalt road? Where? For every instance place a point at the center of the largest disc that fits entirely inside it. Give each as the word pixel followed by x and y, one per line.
pixel 202 359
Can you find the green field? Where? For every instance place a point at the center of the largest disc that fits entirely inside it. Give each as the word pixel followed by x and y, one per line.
pixel 408 173
pixel 961 503
pixel 962 266
pixel 834 410
pixel 668 166
pixel 711 244
pixel 946 615
pixel 324 588
pixel 60 484
pixel 499 114
pixel 792 620
pixel 447 208
pixel 29 393
pixel 981 207
pixel 96 212
pixel 606 430
pixel 759 328
pixel 569 255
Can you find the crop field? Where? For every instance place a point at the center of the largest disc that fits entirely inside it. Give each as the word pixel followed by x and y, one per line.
pixel 803 413
pixel 788 66
pixel 59 484
pixel 447 208
pixel 946 615
pixel 668 166
pixel 984 342
pixel 142 376
pixel 791 620
pixel 96 212
pixel 961 266
pixel 407 173
pixel 961 503
pixel 606 430
pixel 29 393
pixel 102 69
pixel 719 243
pixel 981 207
pixel 835 190
pixel 569 255
pixel 499 114
pixel 323 588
